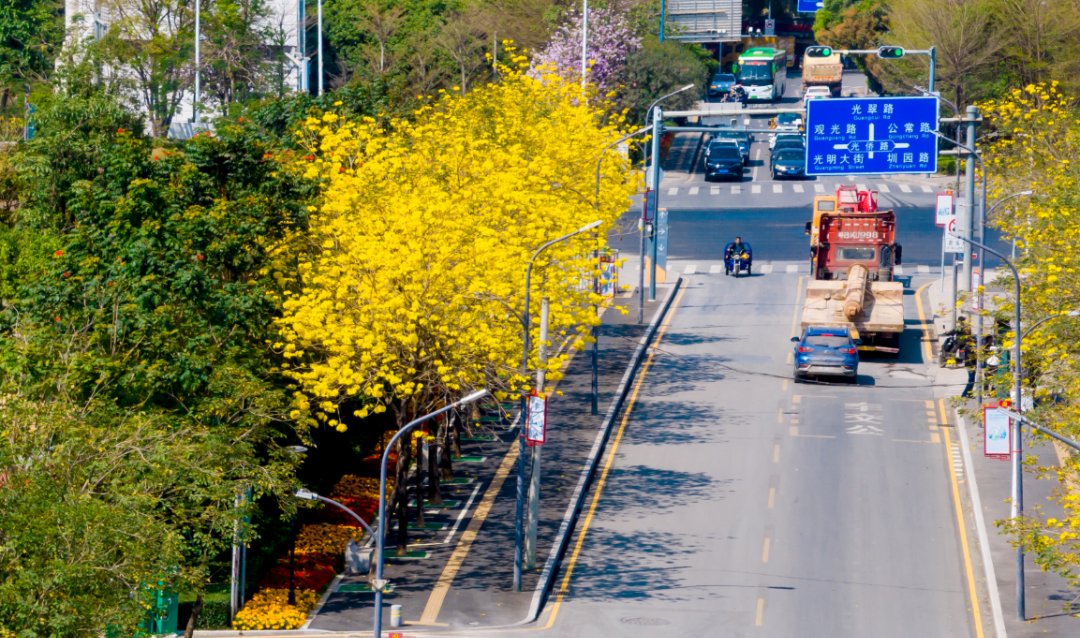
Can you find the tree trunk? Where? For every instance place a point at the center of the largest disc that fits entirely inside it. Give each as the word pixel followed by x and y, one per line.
pixel 196 609
pixel 446 465
pixel 434 491
pixel 457 437
pixel 419 483
pixel 401 487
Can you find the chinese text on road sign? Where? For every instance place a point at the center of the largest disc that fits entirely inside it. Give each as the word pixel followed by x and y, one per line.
pixel 871 136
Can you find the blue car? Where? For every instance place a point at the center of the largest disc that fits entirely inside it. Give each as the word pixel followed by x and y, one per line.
pixel 721 84
pixel 826 351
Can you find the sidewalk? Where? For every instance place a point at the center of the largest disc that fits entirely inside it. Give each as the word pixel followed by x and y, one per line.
pixel 987 485
pixel 461 576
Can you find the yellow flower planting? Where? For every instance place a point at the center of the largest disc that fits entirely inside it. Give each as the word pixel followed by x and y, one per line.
pixel 325 538
pixel 361 486
pixel 1036 146
pixel 270 609
pixel 411 276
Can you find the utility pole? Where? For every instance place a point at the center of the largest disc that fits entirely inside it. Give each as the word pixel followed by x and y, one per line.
pixel 966 218
pixel 301 47
pixel 198 67
pixel 320 50
pixel 534 478
pixel 658 119
pixel 663 10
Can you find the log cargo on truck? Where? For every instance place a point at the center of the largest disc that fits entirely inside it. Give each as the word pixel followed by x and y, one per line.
pixel 827 71
pixel 853 257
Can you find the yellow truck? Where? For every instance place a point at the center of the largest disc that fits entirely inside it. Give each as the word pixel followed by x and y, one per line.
pixel 823 72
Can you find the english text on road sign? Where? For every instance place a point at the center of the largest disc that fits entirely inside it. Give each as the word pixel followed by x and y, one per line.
pixel 998 433
pixel 953 244
pixel 809 6
pixel 944 211
pixel 871 136
pixel 536 426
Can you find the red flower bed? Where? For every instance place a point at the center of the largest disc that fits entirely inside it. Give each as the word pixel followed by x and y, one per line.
pixel 313 571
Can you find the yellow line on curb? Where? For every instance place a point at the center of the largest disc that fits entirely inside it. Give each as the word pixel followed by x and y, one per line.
pixel 952 479
pixel 607 464
pixel 964 543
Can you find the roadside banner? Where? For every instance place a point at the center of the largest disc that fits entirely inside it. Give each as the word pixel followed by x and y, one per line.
pixel 945 210
pixel 997 443
pixel 536 426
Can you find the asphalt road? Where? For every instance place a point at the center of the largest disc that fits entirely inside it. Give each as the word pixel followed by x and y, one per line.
pixel 740 504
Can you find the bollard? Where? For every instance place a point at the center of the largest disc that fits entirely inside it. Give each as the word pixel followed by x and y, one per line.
pixel 395 615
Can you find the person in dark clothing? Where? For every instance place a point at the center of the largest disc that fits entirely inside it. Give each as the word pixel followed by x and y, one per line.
pixel 737 248
pixel 961 335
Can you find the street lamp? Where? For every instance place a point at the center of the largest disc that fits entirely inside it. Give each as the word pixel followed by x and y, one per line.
pixel 1071 313
pixel 380 584
pixel 1017 508
pixel 648 113
pixel 519 514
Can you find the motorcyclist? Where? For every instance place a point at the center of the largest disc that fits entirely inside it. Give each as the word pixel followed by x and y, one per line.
pixel 738 248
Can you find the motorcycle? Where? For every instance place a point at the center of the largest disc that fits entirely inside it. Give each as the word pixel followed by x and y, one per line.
pixel 950 350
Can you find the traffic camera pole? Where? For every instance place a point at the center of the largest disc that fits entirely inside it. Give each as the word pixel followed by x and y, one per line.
pixel 658 119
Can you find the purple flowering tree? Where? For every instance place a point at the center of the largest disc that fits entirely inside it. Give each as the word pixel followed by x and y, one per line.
pixel 610 43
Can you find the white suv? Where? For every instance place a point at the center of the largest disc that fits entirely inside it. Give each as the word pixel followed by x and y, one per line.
pixel 815 92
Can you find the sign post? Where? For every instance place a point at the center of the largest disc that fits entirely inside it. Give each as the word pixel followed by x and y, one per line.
pixel 871 136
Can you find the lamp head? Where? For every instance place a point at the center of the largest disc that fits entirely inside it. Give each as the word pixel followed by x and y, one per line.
pixel 306 495
pixel 1027 193
pixel 1073 313
pixel 476 395
pixel 590 226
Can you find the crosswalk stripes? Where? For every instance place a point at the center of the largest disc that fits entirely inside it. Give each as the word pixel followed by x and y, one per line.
pixel 819 188
pixel 766 269
pixel 927 189
pixel 798 188
pixel 690 270
pixel 862 187
pixel 898 270
pixel 777 188
pixel 923 268
pixel 715 190
pixel 715 268
pixel 756 188
pixel 793 268
pixel 693 190
pixel 883 188
pixel 904 188
pixel 673 191
pixel 735 190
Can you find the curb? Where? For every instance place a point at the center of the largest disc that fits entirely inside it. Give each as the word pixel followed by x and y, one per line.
pixel 577 500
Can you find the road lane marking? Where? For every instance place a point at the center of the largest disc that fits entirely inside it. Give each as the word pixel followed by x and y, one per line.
pixel 760 611
pixel 772 497
pixel 788 358
pixel 755 189
pixel 862 187
pixel 689 270
pixel 607 464
pixel 714 190
pixel 765 552
pixel 461 516
pixel 798 188
pixel 964 545
pixel 934 438
pixel 929 405
pixel 884 188
pixel 923 269
pixel 780 415
pixel 819 188
pixel 927 189
pixel 898 270
pixel 904 188
pixel 794 268
pixel 673 191
pixel 457 559
pixel 715 268
pixel 766 269
pixel 794 431
pixel 797 398
pixel 776 453
pixel 778 188
pixel 785 385
pixel 693 190
pixel 735 190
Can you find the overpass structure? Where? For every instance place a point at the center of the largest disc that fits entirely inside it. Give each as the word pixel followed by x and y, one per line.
pixel 705 20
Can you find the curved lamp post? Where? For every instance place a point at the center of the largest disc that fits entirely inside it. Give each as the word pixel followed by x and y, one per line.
pixel 380 584
pixel 519 514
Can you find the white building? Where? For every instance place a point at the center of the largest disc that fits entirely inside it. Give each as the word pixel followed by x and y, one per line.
pixel 91 19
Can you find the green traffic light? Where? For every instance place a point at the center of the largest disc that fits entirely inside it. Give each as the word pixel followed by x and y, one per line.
pixel 891 53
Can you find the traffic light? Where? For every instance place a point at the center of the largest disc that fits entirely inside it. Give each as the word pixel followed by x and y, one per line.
pixel 890 53
pixel 818 52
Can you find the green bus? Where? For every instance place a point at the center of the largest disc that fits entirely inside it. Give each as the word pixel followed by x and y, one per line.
pixel 762 71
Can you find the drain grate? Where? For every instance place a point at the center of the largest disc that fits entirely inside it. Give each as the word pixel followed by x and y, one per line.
pixel 645 622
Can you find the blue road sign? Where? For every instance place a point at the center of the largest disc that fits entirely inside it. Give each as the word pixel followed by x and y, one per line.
pixel 871 136
pixel 809 6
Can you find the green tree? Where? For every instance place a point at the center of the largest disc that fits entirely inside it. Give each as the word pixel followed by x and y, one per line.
pixel 658 68
pixel 31 31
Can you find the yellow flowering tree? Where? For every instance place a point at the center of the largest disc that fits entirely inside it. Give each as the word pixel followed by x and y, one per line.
pixel 409 282
pixel 1036 145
